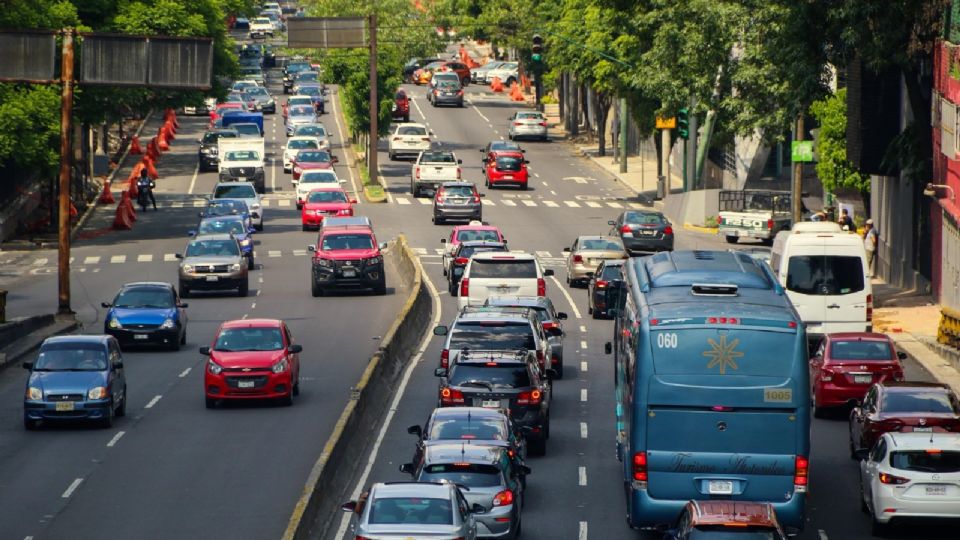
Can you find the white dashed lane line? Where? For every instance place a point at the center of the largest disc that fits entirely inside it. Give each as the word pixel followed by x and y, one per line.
pixel 583 394
pixel 583 366
pixel 573 305
pixel 583 531
pixel 583 430
pixel 184 373
pixel 152 402
pixel 582 474
pixel 115 438
pixel 583 328
pixel 71 488
pixel 583 344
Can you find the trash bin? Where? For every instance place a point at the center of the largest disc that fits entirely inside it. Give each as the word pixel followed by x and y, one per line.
pixel 3 306
pixel 661 187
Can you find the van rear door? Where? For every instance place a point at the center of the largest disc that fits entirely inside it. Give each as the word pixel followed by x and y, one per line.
pixel 827 283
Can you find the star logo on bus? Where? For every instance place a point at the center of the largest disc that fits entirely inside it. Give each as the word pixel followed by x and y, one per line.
pixel 723 354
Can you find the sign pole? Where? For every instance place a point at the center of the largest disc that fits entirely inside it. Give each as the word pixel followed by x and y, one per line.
pixel 665 155
pixel 624 125
pixel 374 104
pixel 797 184
pixel 66 159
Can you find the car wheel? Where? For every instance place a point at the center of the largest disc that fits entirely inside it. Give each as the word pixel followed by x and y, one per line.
pixel 30 425
pixel 305 228
pixel 519 528
pixel 243 289
pixel 259 227
pixel 315 289
pixel 250 263
pixel 184 291
pixel 122 409
pixel 853 447
pixel 863 497
pixel 107 422
pixel 392 156
pixel 452 288
pixel 296 386
pixel 731 239
pixel 183 337
pixel 559 369
pixel 287 400
pixel 595 313
pixel 175 344
pixel 818 412
pixel 211 403
pixel 879 529
pixel 380 289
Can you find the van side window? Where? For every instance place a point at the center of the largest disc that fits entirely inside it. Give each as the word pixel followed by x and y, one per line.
pixel 825 275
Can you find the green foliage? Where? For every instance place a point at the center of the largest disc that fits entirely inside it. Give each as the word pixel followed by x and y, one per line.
pixel 833 168
pixel 30 127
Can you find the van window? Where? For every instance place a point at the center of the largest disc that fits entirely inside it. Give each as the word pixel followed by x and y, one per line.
pixel 515 269
pixel 825 275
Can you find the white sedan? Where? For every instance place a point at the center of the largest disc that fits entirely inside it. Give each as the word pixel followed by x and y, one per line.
pixel 294 145
pixel 409 139
pixel 311 180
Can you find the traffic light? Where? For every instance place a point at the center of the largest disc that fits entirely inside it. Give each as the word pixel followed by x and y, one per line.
pixel 683 123
pixel 537 48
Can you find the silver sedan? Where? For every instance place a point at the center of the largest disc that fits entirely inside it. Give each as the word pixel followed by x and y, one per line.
pixel 527 124
pixel 407 509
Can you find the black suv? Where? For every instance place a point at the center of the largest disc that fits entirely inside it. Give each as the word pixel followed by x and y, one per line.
pixel 461 255
pixel 290 72
pixel 508 380
pixel 208 154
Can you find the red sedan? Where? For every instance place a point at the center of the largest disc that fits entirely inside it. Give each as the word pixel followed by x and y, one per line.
pixel 902 406
pixel 252 359
pixel 846 364
pixel 323 202
pixel 506 168
pixel 307 160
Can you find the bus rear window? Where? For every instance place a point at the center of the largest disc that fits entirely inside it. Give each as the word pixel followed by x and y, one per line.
pixel 825 275
pixel 718 351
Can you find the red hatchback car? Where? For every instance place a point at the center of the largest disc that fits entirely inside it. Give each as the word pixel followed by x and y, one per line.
pixel 307 160
pixel 401 106
pixel 846 364
pixel 506 168
pixel 323 202
pixel 902 406
pixel 252 359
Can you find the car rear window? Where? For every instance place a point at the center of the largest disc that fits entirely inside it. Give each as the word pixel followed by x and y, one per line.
pixel 504 268
pixel 326 197
pixel 235 191
pixel 509 163
pixel 926 461
pixel 301 110
pixel 601 244
pixel 222 226
pixel 466 474
pixel 492 336
pixel 486 429
pixel 438 157
pixel 643 218
pixel 302 143
pixel 247 129
pixel 411 130
pixel 825 275
pixel 498 376
pixel 411 511
pixel 311 130
pixel 458 191
pixel 478 236
pixel 611 273
pixel 319 177
pixel 312 156
pixel 468 251
pixel 860 350
pixel 918 402
pixel 530 116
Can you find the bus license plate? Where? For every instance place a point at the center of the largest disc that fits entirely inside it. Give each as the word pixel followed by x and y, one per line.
pixel 64 406
pixel 720 487
pixel 937 491
pixel 245 384
pixel 863 379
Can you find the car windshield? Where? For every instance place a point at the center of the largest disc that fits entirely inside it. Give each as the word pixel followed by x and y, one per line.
pixel 242 155
pixel 464 474
pixel 504 269
pixel 410 511
pixel 492 336
pixel 326 197
pixel 214 136
pixel 601 244
pixel 71 357
pixel 319 177
pixel 213 248
pixel 411 130
pixel 226 208
pixel 249 339
pixel 306 76
pixel 400 95
pixel 317 131
pixel 498 376
pixel 302 100
pixel 488 235
pixel 643 218
pixel 926 461
pixel 222 226
pixel 145 297
pixel 509 163
pixel 860 350
pixel 240 190
pixel 457 191
pixel 301 143
pixel 309 90
pixel 825 275
pixel 720 532
pixel 486 429
pixel 301 110
pixel 918 402
pixel 468 251
pixel 257 91
pixel 310 156
pixel 335 242
pixel 297 67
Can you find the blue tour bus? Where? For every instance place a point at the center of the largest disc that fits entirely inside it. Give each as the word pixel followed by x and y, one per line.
pixel 712 387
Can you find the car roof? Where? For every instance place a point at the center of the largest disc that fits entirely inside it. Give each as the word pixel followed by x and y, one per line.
pixel 729 512
pixel 133 284
pixel 411 124
pixel 458 184
pixel 525 301
pixel 488 313
pixel 859 336
pixel 252 323
pixel 462 452
pixel 598 237
pixel 328 188
pixel 512 255
pixel 467 412
pixel 432 490
pixel 925 441
pixel 77 338
pixel 614 262
pixel 906 386
pixel 346 229
pixel 217 236
pixel 481 243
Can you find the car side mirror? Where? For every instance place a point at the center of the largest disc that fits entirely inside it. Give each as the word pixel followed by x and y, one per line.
pixel 440 330
pixel 566 250
pixel 353 201
pixel 561 315
pixel 440 372
pixel 459 162
pixel 901 355
pixel 251 230
pixel 480 150
pixel 382 246
pixel 184 305
pixel 477 509
pixel 551 374
pixel 526 162
pixel 106 304
pixel 608 348
pixel 27 365
pixel 178 255
pixel 611 223
pixel 590 275
pixel 415 430
pixel 335 159
pixel 443 240
pixel 311 247
pixel 199 141
pixel 118 365
pixel 548 272
pixel 407 468
pixel 861 453
pixel 191 233
pixel 350 506
pixel 296 348
pixel 524 470
pixel 204 351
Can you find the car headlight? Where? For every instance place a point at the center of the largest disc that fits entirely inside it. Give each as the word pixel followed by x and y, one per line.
pixel 375 260
pixel 214 368
pixel 297 170
pixel 345 212
pixel 235 267
pixel 323 262
pixel 270 102
pixel 99 392
pixel 34 393
pixel 255 206
pixel 168 324
pixel 209 150
pixel 187 268
pixel 281 366
pixel 114 323
pixel 318 212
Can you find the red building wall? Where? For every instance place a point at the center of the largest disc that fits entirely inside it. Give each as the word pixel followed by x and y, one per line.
pixel 945 170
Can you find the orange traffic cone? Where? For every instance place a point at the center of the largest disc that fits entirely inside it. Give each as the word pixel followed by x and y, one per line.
pixel 121 219
pixel 153 151
pixel 496 85
pixel 167 130
pixel 106 196
pixel 151 169
pixel 162 143
pixel 135 149
pixel 132 189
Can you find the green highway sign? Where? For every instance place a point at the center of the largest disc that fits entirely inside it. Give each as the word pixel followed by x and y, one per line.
pixel 801 151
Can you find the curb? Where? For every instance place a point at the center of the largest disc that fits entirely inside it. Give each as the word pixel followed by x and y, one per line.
pixel 917 349
pixel 699 229
pixel 378 199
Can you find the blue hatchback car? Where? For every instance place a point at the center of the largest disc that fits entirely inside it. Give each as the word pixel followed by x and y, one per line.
pixel 147 313
pixel 234 225
pixel 75 378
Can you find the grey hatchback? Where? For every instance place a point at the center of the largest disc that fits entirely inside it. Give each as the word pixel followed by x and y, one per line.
pixel 457 200
pixel 643 230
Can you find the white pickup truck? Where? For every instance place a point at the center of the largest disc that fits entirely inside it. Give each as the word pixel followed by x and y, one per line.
pixel 431 169
pixel 261 27
pixel 242 160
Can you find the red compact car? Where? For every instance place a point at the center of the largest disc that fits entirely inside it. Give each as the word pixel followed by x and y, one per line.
pixel 323 202
pixel 307 160
pixel 902 406
pixel 252 359
pixel 846 364
pixel 505 168
pixel 401 106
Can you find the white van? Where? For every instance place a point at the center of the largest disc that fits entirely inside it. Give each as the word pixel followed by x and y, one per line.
pixel 501 274
pixel 824 271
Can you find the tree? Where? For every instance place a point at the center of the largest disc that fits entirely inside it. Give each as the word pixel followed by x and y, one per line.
pixel 833 168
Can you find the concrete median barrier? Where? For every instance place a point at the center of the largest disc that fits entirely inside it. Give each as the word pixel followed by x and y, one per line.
pixel 330 480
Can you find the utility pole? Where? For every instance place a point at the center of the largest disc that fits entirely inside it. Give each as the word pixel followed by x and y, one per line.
pixel 796 194
pixel 624 123
pixel 665 156
pixel 66 158
pixel 374 104
pixel 691 157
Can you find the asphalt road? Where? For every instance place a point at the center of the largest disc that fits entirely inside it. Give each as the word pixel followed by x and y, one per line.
pixel 575 491
pixel 171 468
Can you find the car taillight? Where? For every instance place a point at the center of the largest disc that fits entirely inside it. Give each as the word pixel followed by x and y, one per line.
pixel 460 260
pixel 459 172
pixel 517 124
pixel 436 92
pixel 425 139
pixel 770 224
pixel 888 425
pixel 439 195
pixel 358 537
pixel 869 307
pixel 640 466
pixel 826 375
pixel 449 396
pixel 460 92
pixel 626 229
pixel 465 287
pixel 801 473
pixel 503 498
pixel 544 124
pixel 445 358
pixel 550 325
pixel 532 397
pixel 540 358
pixel 601 284
pixel 396 139
pixel 417 172
pixel 886 478
pixel 541 287
pixel 668 230
pixel 476 198
pixel 578 258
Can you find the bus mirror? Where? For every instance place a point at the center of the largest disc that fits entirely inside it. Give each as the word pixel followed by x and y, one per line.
pixel 608 348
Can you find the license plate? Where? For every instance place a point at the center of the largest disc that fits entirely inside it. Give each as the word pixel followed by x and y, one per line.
pixel 923 429
pixel 349 272
pixel 245 384
pixel 720 487
pixel 140 336
pixel 743 233
pixel 64 406
pixel 628 235
pixel 213 278
pixel 648 233
pixel 241 179
pixel 490 403
pixel 863 379
pixel 937 491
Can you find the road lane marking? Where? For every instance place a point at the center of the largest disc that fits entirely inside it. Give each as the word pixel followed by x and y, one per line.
pixel 299 253
pixel 573 306
pixel 253 306
pixel 152 402
pixel 145 258
pixel 583 344
pixel 583 328
pixel 614 205
pixel 636 206
pixel 40 262
pixel 537 175
pixel 402 200
pixel 184 373
pixel 273 169
pixel 583 394
pixel 583 430
pixel 193 180
pixel 73 487
pixel 583 365
pixel 571 204
pixel 545 254
pixel 274 253
pixel 424 200
pixel 592 204
pixel 115 438
pixel 438 251
pixel 528 202
pixel 419 110
pixel 258 292
pixel 823 534
pixel 336 117
pixel 508 202
pixel 582 474
pixel 91 260
pixel 199 203
pixel 583 531
pixel 118 259
pixel 550 204
pixel 283 202
pixel 482 116
pixel 169 257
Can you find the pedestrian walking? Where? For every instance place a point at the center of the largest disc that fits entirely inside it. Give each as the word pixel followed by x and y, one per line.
pixel 870 244
pixel 846 222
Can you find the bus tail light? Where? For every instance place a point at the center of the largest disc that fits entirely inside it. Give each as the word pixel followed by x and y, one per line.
pixel 465 287
pixel 801 474
pixel 445 358
pixel 869 307
pixel 541 287
pixel 640 467
pixel 449 396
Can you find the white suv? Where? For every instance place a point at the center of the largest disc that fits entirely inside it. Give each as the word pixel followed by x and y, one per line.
pixel 409 139
pixel 501 274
